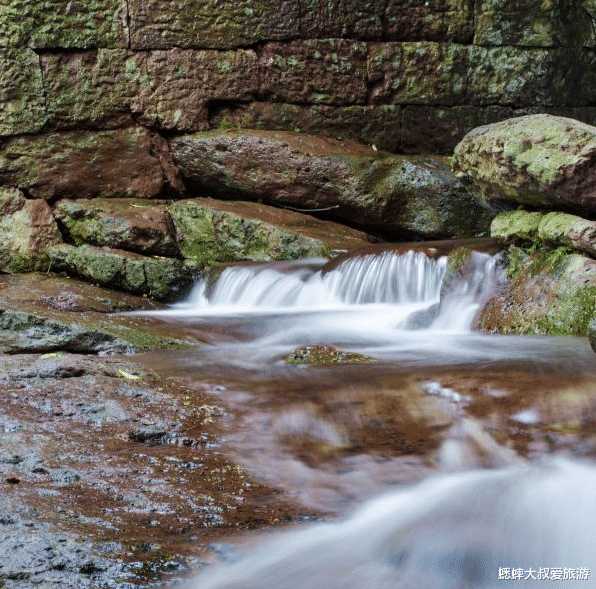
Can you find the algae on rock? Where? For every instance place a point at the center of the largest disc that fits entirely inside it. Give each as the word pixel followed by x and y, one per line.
pixel 551 292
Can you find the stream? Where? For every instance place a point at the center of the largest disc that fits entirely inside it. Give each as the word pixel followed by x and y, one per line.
pixel 448 461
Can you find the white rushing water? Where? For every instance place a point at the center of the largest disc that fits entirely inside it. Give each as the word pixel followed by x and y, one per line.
pixel 519 527
pixel 405 289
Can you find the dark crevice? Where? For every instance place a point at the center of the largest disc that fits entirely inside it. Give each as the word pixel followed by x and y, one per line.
pixel 128 25
pixel 41 51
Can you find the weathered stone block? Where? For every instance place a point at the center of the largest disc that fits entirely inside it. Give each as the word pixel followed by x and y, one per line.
pixel 329 71
pixel 163 89
pixel 176 86
pixel 122 270
pixel 217 24
pixel 27 227
pixel 22 107
pixel 121 223
pixel 535 23
pixel 93 88
pixel 79 24
pixel 417 73
pixel 128 162
pixel 354 19
pixel 429 20
pixel 531 77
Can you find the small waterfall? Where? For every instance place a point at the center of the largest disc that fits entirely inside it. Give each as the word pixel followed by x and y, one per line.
pixel 410 283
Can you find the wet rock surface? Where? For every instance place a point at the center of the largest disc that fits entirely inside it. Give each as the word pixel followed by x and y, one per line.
pixel 545 292
pixel 110 475
pixel 124 472
pixel 49 313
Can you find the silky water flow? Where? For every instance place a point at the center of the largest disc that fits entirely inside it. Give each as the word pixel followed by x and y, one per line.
pixel 520 525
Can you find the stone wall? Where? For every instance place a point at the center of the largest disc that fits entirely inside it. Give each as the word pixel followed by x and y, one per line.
pixel 404 75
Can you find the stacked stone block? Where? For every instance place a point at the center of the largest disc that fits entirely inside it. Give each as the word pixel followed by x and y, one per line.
pixel 405 75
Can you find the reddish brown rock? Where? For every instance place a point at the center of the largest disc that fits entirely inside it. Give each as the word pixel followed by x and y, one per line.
pixel 128 162
pixel 417 73
pixel 27 228
pixel 429 20
pixel 378 125
pixel 210 23
pixel 194 78
pixel 131 224
pixel 328 71
pixel 396 196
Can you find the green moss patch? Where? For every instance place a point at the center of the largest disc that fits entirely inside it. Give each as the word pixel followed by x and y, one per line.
pixel 324 355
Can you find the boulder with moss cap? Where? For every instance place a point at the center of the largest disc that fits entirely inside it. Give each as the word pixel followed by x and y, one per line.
pixel 542 161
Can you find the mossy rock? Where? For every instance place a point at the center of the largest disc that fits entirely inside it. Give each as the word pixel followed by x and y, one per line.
pixel 324 355
pixel 549 292
pixel 540 161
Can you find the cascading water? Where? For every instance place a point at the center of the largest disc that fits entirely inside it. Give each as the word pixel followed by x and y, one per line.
pixel 514 527
pixel 484 529
pixel 397 285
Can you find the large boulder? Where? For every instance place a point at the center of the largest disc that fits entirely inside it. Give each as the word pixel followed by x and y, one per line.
pixel 213 231
pixel 541 160
pixel 27 228
pixel 396 196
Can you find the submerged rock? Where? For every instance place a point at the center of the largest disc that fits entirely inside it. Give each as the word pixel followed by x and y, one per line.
pixel 213 231
pixel 322 355
pixel 539 160
pixel 395 196
pixel 26 229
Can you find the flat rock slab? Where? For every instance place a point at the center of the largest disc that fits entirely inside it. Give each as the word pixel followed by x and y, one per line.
pixel 395 196
pixel 212 231
pixel 50 313
pixel 540 160
pixel 111 475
